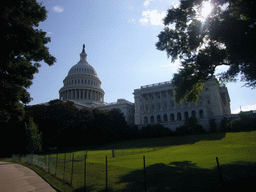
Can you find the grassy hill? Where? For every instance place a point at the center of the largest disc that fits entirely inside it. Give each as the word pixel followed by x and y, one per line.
pixel 186 163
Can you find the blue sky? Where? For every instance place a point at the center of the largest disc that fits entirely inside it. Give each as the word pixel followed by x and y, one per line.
pixel 119 38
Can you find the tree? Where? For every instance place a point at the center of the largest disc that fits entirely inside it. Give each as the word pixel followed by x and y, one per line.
pixel 225 36
pixel 34 137
pixel 23 48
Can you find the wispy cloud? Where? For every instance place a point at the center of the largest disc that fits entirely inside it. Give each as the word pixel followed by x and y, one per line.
pixel 147 2
pixel 58 8
pixel 152 17
pixel 245 108
pixel 132 21
pixel 175 4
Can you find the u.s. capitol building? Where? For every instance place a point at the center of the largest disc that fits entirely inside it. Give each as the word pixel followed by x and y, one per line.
pixel 153 103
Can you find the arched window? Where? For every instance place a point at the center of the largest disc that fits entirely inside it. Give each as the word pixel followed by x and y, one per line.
pixel 178 116
pixel 145 120
pixel 78 81
pixel 82 81
pixel 159 119
pixel 186 115
pixel 152 119
pixel 172 117
pixel 75 81
pixel 165 117
pixel 193 113
pixel 85 81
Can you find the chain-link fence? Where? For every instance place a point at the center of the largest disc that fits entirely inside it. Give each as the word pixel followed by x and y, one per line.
pixel 63 165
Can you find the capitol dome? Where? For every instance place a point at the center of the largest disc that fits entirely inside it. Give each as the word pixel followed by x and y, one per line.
pixel 82 84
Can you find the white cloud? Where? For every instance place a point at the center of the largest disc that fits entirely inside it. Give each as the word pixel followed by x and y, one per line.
pixel 147 2
pixel 245 108
pixel 58 8
pixel 132 21
pixel 153 16
pixel 175 4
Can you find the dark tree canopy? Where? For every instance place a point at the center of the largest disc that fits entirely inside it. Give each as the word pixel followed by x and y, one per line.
pixel 23 47
pixel 225 37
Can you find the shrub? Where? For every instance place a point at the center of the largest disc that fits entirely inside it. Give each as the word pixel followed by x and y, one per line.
pixel 34 138
pixel 190 126
pixel 156 130
pixel 212 125
pixel 244 122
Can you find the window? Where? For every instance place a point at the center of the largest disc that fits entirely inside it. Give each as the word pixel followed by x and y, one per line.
pixel 172 104
pixel 158 118
pixel 145 120
pixel 172 117
pixel 178 116
pixel 152 119
pixel 186 115
pixel 193 114
pixel 165 117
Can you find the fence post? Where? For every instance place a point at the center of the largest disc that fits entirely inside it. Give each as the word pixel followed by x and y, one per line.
pixel 64 167
pixel 72 169
pixel 85 173
pixel 145 181
pixel 48 164
pixel 45 162
pixel 106 173
pixel 113 153
pixel 220 176
pixel 56 164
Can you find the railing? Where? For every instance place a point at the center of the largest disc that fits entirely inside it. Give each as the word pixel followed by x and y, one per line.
pixel 156 84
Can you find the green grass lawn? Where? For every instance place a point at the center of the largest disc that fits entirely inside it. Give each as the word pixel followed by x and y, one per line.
pixel 185 163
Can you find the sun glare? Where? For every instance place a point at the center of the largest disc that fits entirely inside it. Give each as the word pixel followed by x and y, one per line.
pixel 205 10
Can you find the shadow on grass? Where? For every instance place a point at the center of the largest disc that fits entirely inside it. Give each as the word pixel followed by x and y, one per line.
pixel 187 176
pixel 161 142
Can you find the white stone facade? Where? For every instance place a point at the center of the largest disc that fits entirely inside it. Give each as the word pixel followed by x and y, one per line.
pixel 82 84
pixel 83 87
pixel 155 104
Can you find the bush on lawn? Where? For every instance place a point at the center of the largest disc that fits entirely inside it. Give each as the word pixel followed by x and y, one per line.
pixel 244 122
pixel 155 130
pixel 190 127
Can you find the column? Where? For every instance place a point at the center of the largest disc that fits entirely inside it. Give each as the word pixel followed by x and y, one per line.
pixel 75 94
